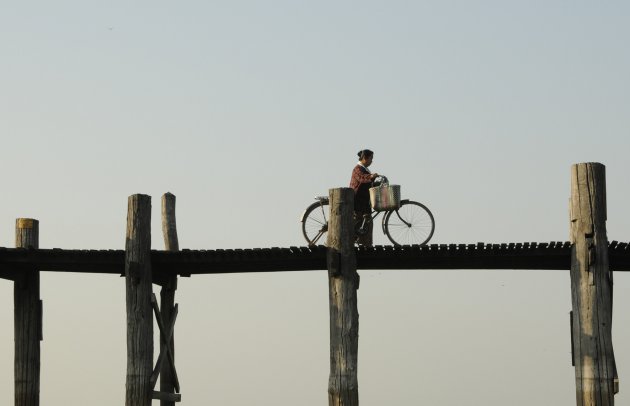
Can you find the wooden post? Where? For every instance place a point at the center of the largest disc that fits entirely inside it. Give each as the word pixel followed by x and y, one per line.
pixel 138 281
pixel 343 281
pixel 28 319
pixel 591 288
pixel 167 294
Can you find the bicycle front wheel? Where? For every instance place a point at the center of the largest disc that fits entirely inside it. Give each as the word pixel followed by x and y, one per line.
pixel 315 223
pixel 411 224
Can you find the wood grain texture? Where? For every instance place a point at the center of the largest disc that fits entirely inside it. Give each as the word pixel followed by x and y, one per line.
pixel 169 224
pixel 138 283
pixel 591 288
pixel 168 378
pixel 27 320
pixel 343 281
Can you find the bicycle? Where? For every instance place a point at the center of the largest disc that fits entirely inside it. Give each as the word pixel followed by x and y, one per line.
pixel 411 223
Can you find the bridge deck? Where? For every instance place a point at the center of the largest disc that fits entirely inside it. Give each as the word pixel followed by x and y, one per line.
pixel 553 255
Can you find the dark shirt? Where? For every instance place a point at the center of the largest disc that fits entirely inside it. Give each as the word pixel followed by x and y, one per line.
pixel 361 181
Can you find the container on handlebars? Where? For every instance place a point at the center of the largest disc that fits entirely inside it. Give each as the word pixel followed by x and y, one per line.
pixel 385 197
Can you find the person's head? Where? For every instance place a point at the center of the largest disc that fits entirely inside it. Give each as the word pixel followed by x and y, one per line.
pixel 365 157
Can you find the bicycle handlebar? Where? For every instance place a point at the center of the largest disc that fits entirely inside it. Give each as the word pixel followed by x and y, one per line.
pixel 380 179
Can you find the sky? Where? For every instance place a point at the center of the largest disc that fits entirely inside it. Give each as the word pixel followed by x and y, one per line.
pixel 246 110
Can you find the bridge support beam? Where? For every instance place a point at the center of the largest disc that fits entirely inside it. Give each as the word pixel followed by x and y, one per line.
pixel 591 288
pixel 167 294
pixel 27 319
pixel 343 281
pixel 138 281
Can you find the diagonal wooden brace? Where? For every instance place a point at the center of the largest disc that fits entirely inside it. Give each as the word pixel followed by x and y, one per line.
pixel 166 349
pixel 166 336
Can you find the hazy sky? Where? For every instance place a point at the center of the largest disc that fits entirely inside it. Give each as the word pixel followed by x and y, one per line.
pixel 246 111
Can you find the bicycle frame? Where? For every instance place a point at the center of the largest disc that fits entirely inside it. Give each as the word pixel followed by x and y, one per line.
pixel 365 221
pixel 375 214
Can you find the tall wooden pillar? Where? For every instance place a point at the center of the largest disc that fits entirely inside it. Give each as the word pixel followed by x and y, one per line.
pixel 138 281
pixel 27 319
pixel 591 288
pixel 167 294
pixel 343 281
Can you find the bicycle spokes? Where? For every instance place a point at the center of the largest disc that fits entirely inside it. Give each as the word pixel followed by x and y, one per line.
pixel 411 224
pixel 315 223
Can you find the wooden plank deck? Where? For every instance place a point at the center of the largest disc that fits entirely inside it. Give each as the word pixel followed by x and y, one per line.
pixel 530 255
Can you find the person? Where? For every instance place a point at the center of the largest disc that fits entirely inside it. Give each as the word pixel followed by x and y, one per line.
pixel 361 181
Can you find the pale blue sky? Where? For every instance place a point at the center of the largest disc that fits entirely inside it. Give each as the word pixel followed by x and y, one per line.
pixel 245 111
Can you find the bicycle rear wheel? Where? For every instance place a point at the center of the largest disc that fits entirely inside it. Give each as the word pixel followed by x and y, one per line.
pixel 411 224
pixel 315 223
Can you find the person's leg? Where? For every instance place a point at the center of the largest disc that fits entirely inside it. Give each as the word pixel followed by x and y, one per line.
pixel 368 234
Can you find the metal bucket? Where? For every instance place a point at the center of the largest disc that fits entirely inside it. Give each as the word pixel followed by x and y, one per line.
pixel 385 197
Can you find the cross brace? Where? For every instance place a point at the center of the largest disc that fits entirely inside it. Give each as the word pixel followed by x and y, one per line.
pixel 166 333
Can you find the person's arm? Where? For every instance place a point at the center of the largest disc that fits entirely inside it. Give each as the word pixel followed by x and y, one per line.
pixel 363 177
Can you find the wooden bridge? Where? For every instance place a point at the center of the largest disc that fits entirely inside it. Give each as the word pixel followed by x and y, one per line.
pixel 588 256
pixel 527 255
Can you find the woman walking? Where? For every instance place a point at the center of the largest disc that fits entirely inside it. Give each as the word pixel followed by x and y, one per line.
pixel 360 182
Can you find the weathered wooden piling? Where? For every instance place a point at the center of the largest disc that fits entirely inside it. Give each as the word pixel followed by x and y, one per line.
pixel 167 294
pixel 591 288
pixel 343 281
pixel 27 319
pixel 138 281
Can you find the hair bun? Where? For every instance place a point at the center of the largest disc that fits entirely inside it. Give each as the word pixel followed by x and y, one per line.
pixel 365 152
